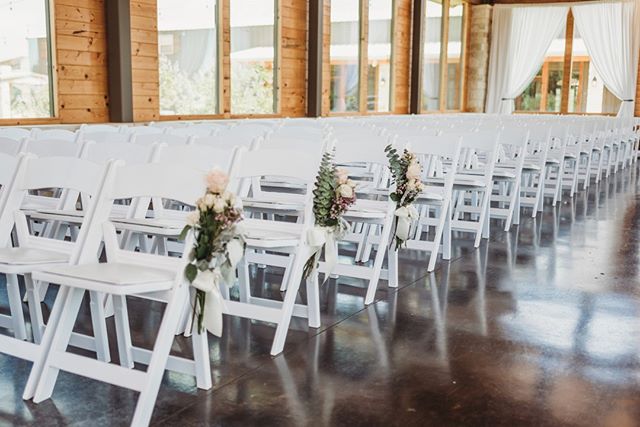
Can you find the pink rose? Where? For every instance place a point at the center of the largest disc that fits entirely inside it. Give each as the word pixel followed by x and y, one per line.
pixel 342 175
pixel 217 181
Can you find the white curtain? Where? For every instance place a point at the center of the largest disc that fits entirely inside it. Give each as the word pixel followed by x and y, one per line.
pixel 520 39
pixel 611 35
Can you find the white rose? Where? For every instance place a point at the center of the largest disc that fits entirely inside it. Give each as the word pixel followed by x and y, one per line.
pixel 351 183
pixel 342 175
pixel 218 205
pixel 411 185
pixel 209 200
pixel 230 198
pixel 345 191
pixel 193 218
pixel 206 280
pixel 413 171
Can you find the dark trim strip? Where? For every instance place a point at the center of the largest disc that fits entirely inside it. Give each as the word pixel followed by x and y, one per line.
pixel 314 66
pixel 416 57
pixel 119 60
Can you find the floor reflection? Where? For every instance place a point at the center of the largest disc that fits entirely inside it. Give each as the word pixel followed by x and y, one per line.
pixel 539 326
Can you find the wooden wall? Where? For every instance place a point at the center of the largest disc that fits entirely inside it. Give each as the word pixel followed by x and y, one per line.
pixel 144 60
pixel 402 53
pixel 81 52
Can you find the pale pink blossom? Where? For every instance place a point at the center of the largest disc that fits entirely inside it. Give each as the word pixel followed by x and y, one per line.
pixel 413 171
pixel 217 181
pixel 342 175
pixel 345 191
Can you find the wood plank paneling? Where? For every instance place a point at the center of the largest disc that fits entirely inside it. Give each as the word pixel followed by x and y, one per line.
pixel 293 57
pixel 402 53
pixel 144 61
pixel 638 94
pixel 326 58
pixel 81 61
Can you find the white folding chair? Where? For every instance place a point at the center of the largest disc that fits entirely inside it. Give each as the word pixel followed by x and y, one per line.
pixel 56 134
pixel 15 133
pixel 125 274
pixel 10 146
pixel 33 253
pixel 439 156
pixel 280 239
pixel 161 138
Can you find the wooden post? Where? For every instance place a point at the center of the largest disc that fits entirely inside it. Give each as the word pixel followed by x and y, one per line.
pixel 119 60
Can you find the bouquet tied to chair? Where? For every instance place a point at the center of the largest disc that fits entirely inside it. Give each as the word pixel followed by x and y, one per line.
pixel 218 247
pixel 333 194
pixel 406 174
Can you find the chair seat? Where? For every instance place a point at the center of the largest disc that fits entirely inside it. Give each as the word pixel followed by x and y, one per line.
pixel 271 234
pixel 111 277
pixel 31 256
pixel 367 209
pixel 264 203
pixel 156 226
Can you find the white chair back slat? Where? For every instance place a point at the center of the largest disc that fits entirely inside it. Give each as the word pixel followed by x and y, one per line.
pixel 52 148
pixel 161 138
pixel 10 146
pixel 15 133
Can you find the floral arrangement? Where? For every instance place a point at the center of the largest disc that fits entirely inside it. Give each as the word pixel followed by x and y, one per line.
pixel 333 193
pixel 406 175
pixel 218 247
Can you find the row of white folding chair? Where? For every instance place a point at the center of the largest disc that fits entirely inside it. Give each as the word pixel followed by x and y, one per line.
pixel 123 274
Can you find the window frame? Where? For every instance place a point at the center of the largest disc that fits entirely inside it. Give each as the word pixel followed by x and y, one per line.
pixel 223 64
pixel 53 118
pixel 444 45
pixel 363 63
pixel 567 69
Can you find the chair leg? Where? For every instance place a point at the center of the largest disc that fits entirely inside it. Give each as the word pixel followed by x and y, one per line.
pixel 99 326
pixel 392 270
pixel 159 357
pixel 313 300
pixel 121 317
pixel 35 312
pixel 244 284
pixel 383 248
pixel 200 344
pixel 15 304
pixel 289 301
pixel 59 333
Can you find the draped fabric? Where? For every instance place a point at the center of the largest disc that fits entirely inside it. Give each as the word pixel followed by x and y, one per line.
pixel 611 34
pixel 521 37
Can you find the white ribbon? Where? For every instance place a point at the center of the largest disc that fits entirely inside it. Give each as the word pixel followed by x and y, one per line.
pixel 318 236
pixel 405 215
pixel 209 281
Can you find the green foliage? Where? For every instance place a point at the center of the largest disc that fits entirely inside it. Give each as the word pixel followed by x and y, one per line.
pixel 324 193
pixel 252 88
pixel 182 93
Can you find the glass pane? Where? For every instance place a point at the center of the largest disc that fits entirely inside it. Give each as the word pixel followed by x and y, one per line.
pixel 544 93
pixel 587 93
pixel 253 56
pixel 187 53
pixel 431 56
pixel 379 55
pixel 344 55
pixel 25 83
pixel 454 54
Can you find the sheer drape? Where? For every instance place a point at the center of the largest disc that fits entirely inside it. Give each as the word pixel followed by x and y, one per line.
pixel 611 35
pixel 520 39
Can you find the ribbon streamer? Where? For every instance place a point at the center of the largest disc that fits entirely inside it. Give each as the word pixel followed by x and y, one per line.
pixel 319 236
pixel 404 216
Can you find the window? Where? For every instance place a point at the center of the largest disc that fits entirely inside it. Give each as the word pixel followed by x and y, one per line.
pixel 379 90
pixel 443 55
pixel 26 84
pixel 544 93
pixel 431 55
pixel 587 93
pixel 187 54
pixel 253 56
pixel 567 64
pixel 345 55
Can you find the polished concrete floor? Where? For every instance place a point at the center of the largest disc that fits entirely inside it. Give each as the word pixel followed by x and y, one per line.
pixel 538 327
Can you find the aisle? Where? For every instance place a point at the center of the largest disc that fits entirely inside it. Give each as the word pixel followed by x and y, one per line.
pixel 540 326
